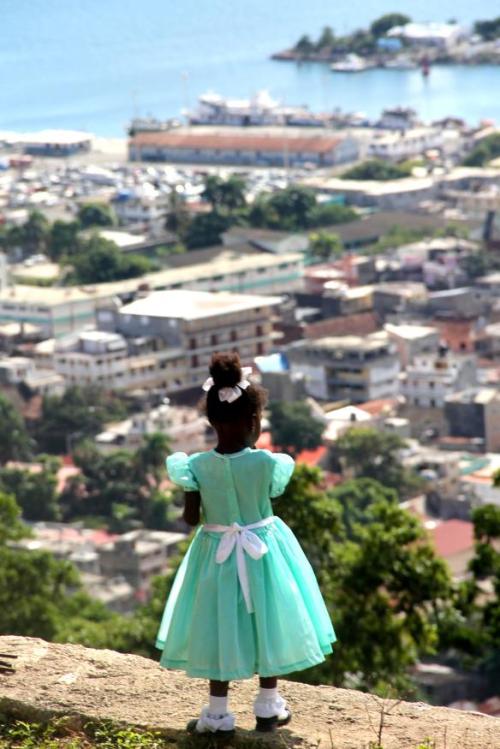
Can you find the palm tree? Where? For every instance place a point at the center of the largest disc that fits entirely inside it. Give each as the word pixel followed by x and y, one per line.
pixel 150 457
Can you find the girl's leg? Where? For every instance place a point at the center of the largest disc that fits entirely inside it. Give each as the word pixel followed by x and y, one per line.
pixel 219 688
pixel 269 707
pixel 215 717
pixel 268 682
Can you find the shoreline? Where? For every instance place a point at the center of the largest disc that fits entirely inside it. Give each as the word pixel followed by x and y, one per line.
pixel 292 55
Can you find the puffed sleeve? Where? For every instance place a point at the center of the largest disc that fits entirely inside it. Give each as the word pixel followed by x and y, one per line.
pixel 282 473
pixel 180 472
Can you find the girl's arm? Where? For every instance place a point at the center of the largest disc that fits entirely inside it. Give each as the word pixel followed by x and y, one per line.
pixel 192 504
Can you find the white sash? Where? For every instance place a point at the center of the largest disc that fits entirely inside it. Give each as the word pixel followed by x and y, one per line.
pixel 241 537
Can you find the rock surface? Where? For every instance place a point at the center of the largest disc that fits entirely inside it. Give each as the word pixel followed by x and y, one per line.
pixel 54 680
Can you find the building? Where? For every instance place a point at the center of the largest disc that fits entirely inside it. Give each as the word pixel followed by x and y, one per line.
pixel 488 341
pixel 412 142
pixel 347 367
pixel 475 413
pixel 271 148
pixel 391 195
pixel 57 311
pixel 54 143
pixel 412 340
pixel 430 378
pixel 398 118
pixel 440 36
pixel 267 240
pixel 200 323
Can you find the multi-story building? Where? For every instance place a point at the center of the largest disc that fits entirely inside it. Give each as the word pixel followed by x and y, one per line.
pixel 430 378
pixel 412 340
pixel 347 367
pixel 165 340
pixel 59 311
pixel 412 142
pixel 475 414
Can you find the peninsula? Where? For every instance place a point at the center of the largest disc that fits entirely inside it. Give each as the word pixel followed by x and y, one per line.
pixel 395 41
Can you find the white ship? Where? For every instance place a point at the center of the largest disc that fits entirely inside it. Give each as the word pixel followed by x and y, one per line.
pixel 260 110
pixel 351 64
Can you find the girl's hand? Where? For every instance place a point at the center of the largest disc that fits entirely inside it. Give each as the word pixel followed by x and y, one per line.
pixel 192 504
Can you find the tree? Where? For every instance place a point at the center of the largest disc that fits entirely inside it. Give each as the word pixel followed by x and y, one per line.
pixel 80 412
pixel 206 229
pixel 485 151
pixel 15 442
pixel 99 261
pixel 323 245
pixel 35 233
pixel 96 214
pixel 304 46
pixel 376 169
pixel 327 214
pixel 488 30
pixel 178 218
pixel 11 527
pixel 225 195
pixel 368 453
pixel 35 491
pixel 476 264
pixel 293 427
pixel 293 206
pixel 380 578
pixel 326 39
pixel 63 239
pixel 150 457
pixel 382 25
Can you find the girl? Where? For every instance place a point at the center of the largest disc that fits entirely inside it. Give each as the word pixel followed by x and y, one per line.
pixel 245 599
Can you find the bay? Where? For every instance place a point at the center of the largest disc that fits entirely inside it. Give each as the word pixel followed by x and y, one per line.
pixel 93 64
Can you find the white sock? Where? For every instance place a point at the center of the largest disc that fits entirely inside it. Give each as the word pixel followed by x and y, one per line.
pixel 217 706
pixel 267 694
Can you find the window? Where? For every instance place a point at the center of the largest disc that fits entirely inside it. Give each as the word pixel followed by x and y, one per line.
pixel 433 403
pixel 233 336
pixel 194 361
pixel 431 384
pixel 259 330
pixel 260 348
pixel 213 339
pixel 192 343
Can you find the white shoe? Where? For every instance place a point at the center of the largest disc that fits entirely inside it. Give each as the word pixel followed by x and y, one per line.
pixel 271 714
pixel 207 723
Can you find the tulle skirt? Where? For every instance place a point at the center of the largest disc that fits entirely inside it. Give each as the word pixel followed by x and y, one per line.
pixel 208 631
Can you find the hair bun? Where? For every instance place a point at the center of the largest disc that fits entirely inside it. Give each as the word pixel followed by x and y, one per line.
pixel 225 370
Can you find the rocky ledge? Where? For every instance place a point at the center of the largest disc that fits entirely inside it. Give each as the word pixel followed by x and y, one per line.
pixel 51 680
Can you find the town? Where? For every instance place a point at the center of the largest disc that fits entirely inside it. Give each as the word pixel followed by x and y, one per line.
pixel 355 267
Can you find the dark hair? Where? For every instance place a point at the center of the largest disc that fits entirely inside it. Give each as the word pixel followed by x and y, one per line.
pixel 225 370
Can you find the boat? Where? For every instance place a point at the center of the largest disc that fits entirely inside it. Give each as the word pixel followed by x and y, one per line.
pixel 151 125
pixel 401 62
pixel 351 64
pixel 258 111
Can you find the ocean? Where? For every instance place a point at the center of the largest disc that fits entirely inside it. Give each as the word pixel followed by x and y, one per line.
pixel 95 64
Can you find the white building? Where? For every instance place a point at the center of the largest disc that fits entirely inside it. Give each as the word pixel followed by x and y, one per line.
pixel 438 35
pixel 432 377
pixel 412 340
pixel 347 367
pixel 413 142
pixel 58 311
pixel 166 340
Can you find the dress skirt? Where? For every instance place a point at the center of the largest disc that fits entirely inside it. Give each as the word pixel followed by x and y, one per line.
pixel 208 631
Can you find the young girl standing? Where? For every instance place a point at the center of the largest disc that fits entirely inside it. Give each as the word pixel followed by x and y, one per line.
pixel 245 599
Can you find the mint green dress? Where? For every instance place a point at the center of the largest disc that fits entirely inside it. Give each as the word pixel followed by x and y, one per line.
pixel 207 629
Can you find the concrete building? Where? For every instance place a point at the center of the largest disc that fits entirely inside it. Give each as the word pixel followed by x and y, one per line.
pixel 268 240
pixel 347 367
pixel 266 147
pixel 441 36
pixel 430 378
pixel 488 341
pixel 392 195
pixel 412 340
pixel 475 413
pixel 412 142
pixel 398 118
pixel 58 311
pixel 166 339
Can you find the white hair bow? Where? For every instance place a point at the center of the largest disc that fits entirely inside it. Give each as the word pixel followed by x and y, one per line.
pixel 231 394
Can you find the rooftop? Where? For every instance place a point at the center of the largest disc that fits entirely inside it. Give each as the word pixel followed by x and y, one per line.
pixel 410 332
pixel 371 342
pixel 230 141
pixel 453 537
pixel 195 305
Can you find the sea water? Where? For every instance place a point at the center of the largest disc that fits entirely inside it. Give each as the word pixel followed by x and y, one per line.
pixel 94 64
